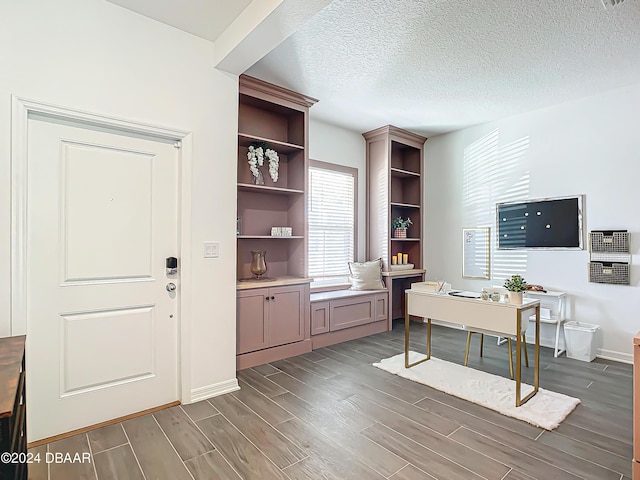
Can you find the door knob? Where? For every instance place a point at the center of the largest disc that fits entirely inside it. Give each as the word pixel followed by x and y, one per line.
pixel 171 287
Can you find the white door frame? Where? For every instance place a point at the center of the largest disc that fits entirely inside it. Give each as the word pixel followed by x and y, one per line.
pixel 21 108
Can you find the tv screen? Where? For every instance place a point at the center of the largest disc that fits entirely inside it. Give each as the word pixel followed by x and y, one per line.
pixel 552 223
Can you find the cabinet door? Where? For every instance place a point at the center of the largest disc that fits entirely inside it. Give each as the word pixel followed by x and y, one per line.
pixel 252 323
pixel 382 308
pixel 319 318
pixel 286 315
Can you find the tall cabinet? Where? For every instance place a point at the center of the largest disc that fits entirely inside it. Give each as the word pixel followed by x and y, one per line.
pixel 272 313
pixel 395 189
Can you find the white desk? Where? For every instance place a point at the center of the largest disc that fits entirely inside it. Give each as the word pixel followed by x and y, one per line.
pixel 503 319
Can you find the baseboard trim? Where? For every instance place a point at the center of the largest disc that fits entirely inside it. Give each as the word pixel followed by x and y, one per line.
pixel 107 423
pixel 210 391
pixel 615 356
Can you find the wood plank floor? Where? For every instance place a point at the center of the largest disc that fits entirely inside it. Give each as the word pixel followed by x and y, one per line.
pixel 329 414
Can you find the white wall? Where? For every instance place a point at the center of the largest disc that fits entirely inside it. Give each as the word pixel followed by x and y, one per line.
pixel 332 144
pixel 585 147
pixel 92 55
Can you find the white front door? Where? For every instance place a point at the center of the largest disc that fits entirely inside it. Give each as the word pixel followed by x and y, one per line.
pixel 101 325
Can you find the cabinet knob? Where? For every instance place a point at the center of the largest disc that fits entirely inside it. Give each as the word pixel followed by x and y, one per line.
pixel 273 298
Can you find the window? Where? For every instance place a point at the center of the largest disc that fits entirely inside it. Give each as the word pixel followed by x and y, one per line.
pixel 332 220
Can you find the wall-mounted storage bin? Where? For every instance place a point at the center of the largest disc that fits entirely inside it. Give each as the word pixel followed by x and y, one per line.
pixel 609 257
pixel 609 241
pixel 609 272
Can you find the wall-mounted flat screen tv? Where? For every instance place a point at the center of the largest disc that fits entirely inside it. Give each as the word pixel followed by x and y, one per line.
pixel 544 223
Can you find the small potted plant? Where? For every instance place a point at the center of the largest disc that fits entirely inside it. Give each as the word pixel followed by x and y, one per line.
pixel 400 227
pixel 516 285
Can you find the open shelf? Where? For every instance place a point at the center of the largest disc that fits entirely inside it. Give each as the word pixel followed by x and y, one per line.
pixel 554 319
pixel 278 117
pixel 270 237
pixel 249 187
pixel 397 172
pixel 404 205
pixel 245 140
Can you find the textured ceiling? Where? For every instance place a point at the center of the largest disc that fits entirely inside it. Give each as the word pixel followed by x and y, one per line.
pixel 433 66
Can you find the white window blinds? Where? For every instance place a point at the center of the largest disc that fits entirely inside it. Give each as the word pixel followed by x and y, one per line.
pixel 331 217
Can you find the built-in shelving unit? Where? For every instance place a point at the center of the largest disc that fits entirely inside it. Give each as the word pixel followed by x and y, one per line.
pixel 271 115
pixel 273 317
pixel 394 189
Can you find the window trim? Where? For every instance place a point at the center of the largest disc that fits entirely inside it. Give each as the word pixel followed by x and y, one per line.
pixel 353 172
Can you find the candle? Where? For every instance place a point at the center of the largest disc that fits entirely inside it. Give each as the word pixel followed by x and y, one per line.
pixel 399 258
pixel 394 260
pixel 405 258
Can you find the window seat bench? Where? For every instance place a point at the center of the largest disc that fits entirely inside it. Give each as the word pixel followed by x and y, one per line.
pixel 341 315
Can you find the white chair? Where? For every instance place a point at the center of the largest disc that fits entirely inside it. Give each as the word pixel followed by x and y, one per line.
pixel 523 330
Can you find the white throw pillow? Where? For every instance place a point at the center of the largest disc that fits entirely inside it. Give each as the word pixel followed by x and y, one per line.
pixel 366 275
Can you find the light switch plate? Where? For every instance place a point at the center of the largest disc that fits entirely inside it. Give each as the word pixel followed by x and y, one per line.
pixel 211 249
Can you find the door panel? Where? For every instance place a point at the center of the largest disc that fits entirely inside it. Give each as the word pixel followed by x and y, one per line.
pixel 101 327
pixel 102 187
pixel 87 343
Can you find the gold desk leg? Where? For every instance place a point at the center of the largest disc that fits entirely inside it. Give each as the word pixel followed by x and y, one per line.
pixel 406 336
pixel 510 358
pixel 518 359
pixel 466 352
pixel 536 373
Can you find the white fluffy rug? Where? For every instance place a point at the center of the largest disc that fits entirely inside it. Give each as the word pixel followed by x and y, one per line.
pixel 546 409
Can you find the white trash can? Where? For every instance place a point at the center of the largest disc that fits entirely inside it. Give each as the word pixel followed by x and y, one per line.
pixel 580 339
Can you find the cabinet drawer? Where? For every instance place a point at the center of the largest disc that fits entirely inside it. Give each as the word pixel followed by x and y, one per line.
pixel 350 312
